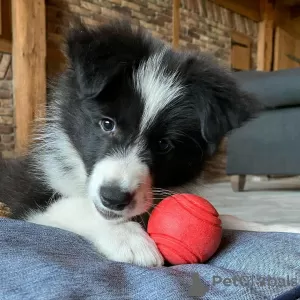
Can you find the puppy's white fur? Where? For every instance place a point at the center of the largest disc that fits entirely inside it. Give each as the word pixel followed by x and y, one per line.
pixel 54 144
pixel 123 241
pixel 157 88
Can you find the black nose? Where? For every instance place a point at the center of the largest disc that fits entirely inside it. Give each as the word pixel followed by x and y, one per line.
pixel 114 198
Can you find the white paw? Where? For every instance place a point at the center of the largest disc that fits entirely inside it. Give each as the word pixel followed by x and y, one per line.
pixel 129 243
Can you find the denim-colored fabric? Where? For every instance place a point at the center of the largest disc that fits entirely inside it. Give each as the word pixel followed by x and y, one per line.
pixel 38 262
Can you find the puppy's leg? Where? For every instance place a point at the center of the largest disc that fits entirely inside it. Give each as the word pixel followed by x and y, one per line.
pixel 123 241
pixel 234 223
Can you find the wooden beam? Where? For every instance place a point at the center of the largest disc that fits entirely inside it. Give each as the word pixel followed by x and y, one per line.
pixel 284 21
pixel 295 12
pixel 52 54
pixel 29 66
pixel 249 9
pixel 265 43
pixel 5 26
pixel 176 23
pixel 288 2
pixel 5 46
pixel 5 19
pixel 1 16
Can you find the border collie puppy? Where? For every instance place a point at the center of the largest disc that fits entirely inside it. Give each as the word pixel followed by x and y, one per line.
pixel 128 114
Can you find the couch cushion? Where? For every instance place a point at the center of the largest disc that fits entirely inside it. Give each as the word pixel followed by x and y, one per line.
pixel 269 144
pixel 39 262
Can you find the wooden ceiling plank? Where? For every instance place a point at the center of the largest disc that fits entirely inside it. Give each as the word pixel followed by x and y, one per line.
pixel 249 9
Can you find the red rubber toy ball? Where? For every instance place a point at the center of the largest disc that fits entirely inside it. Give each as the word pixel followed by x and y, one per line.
pixel 186 229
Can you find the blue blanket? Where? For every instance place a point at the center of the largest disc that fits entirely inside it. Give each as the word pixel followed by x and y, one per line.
pixel 38 262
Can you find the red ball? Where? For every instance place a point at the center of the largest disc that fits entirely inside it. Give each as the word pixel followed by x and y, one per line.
pixel 186 229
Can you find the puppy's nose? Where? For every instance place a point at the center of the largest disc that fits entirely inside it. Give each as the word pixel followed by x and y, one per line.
pixel 114 198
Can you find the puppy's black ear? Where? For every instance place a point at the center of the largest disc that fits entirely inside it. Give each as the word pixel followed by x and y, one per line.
pixel 222 106
pixel 96 54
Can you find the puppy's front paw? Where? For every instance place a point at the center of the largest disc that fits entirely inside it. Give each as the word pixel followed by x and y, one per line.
pixel 131 244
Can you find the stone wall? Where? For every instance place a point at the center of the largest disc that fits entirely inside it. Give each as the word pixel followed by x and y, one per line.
pixel 6 106
pixel 205 26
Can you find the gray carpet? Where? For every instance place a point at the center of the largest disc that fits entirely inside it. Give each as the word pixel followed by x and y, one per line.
pixel 270 202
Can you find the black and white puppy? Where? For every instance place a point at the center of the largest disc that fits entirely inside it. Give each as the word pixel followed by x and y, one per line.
pixel 127 115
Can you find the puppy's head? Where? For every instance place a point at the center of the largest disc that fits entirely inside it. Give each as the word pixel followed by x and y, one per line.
pixel 139 114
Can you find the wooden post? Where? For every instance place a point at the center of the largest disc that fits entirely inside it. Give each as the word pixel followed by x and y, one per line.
pixel 266 31
pixel 176 23
pixel 29 65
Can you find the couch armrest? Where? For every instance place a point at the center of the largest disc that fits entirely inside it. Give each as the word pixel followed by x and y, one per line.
pixel 272 89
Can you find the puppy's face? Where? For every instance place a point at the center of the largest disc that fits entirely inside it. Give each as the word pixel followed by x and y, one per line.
pixel 142 115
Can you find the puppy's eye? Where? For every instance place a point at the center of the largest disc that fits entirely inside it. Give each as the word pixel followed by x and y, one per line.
pixel 107 125
pixel 164 146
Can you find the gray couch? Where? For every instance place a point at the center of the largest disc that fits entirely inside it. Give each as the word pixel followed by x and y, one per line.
pixel 269 144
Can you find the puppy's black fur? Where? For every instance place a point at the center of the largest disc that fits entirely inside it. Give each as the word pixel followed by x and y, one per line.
pixel 100 82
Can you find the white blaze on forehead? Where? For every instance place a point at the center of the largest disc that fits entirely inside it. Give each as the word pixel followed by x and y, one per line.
pixel 156 86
